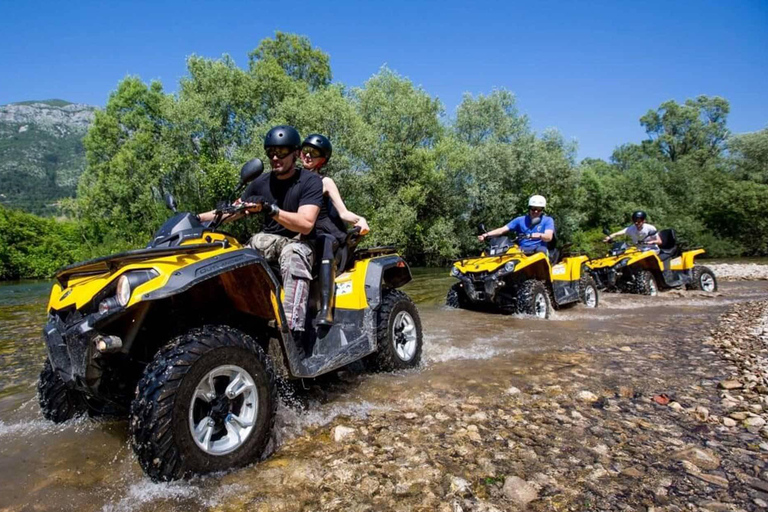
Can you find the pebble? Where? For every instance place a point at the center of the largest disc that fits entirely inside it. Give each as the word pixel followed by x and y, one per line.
pixel 518 491
pixel 341 432
pixel 587 396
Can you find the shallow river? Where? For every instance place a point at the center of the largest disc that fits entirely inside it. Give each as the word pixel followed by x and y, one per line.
pixel 88 465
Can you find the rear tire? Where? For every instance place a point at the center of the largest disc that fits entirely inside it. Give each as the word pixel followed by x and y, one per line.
pixel 532 298
pixel 645 284
pixel 58 401
pixel 205 403
pixel 588 291
pixel 703 279
pixel 398 333
pixel 457 297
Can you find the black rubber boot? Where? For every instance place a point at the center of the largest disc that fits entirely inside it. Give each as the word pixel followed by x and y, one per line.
pixel 327 293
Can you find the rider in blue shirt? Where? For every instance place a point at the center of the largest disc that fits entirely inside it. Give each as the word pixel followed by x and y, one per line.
pixel 539 235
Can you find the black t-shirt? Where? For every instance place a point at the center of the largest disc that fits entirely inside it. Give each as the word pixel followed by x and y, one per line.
pixel 329 221
pixel 303 188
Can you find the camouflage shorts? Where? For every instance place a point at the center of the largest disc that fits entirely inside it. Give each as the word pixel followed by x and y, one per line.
pixel 296 258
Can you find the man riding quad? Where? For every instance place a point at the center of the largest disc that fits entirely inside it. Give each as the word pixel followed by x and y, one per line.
pixel 640 232
pixel 182 335
pixel 290 199
pixel 523 274
pixel 537 234
pixel 653 261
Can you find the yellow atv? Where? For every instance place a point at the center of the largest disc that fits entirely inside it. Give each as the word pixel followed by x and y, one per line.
pixel 639 269
pixel 177 334
pixel 506 279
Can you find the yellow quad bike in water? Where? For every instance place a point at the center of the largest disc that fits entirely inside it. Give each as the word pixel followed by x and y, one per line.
pixel 178 333
pixel 506 279
pixel 638 269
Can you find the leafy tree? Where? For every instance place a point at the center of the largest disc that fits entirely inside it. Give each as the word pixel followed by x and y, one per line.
pixel 749 156
pixel 697 127
pixel 297 57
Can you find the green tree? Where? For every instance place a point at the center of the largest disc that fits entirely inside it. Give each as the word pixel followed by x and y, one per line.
pixel 698 127
pixel 749 156
pixel 297 57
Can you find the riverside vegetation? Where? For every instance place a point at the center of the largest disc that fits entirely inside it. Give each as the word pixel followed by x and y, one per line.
pixel 424 181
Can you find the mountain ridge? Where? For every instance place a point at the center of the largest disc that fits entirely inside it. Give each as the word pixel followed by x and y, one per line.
pixel 41 152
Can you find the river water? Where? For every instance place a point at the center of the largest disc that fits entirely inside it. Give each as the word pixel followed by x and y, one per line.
pixel 469 358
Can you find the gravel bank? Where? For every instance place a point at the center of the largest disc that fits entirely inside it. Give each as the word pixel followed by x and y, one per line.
pixel 739 271
pixel 640 424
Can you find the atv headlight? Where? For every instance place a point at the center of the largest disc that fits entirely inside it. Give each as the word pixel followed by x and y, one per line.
pixel 129 281
pixel 455 272
pixel 509 266
pixel 123 290
pixel 622 263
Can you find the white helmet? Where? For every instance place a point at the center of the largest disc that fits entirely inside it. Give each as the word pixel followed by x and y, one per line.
pixel 537 202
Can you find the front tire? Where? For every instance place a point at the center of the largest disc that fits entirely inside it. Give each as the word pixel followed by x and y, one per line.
pixel 532 298
pixel 588 291
pixel 457 297
pixel 58 401
pixel 205 403
pixel 398 333
pixel 645 284
pixel 703 279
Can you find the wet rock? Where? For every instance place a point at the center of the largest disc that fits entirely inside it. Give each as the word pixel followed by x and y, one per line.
pixel 458 485
pixel 341 432
pixel 518 491
pixel 702 413
pixel 700 457
pixel 755 422
pixel 730 384
pixel 587 396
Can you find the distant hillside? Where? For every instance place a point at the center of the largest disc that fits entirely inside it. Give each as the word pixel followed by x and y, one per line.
pixel 41 152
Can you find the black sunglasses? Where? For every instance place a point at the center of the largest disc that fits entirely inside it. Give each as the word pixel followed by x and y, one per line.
pixel 536 209
pixel 279 151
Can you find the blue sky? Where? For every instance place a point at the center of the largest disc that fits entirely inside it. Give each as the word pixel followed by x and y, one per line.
pixel 588 68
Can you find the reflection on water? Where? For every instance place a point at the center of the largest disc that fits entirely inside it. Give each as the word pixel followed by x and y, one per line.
pixel 88 465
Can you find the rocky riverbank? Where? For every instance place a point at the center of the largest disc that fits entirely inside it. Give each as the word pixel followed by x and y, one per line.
pixel 617 425
pixel 739 271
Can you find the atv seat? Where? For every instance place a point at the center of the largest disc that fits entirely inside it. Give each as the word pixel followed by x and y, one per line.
pixel 668 248
pixel 554 252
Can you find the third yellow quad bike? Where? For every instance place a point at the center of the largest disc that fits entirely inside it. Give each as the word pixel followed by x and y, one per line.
pixel 177 335
pixel 506 279
pixel 639 269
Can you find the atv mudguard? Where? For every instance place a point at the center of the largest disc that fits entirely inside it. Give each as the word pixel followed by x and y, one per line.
pixel 686 260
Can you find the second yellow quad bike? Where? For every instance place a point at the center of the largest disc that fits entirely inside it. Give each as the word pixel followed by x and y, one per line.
pixel 506 279
pixel 639 269
pixel 177 335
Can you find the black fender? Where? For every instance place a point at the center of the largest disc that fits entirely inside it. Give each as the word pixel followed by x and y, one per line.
pixel 386 272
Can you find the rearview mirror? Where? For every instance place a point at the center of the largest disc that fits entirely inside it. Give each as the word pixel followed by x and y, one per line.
pixel 251 170
pixel 481 228
pixel 606 232
pixel 170 202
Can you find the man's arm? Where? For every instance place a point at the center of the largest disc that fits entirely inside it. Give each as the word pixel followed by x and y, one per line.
pixel 620 232
pixel 496 232
pixel 546 236
pixel 302 221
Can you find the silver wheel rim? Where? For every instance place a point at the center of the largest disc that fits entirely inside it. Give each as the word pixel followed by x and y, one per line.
pixel 590 297
pixel 707 283
pixel 404 336
pixel 223 410
pixel 540 306
pixel 652 287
